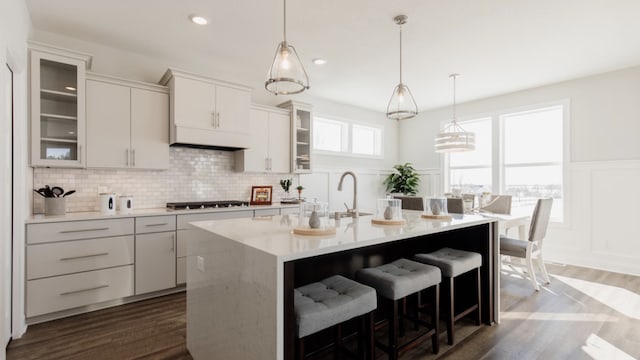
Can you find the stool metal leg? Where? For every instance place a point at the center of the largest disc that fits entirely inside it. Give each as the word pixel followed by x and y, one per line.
pixel 371 328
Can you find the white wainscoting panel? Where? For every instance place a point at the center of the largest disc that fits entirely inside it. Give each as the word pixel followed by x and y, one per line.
pixel 602 228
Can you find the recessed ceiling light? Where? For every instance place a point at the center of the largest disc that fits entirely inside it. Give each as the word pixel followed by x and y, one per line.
pixel 70 88
pixel 319 61
pixel 196 19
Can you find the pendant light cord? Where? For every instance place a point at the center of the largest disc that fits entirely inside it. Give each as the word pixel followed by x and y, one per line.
pixel 400 53
pixel 455 117
pixel 284 35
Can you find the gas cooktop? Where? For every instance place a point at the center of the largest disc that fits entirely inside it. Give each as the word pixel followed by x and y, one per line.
pixel 206 204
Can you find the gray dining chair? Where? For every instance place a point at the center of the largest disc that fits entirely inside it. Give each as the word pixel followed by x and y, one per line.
pixel 411 202
pixel 499 204
pixel 532 247
pixel 455 206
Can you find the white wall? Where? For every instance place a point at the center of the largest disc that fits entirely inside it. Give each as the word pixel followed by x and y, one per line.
pixel 116 62
pixel 604 169
pixel 14 30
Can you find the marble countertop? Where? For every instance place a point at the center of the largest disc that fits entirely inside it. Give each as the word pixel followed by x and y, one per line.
pixel 274 234
pixel 96 215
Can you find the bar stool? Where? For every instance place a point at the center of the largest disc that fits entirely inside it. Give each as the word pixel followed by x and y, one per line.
pixel 452 263
pixel 330 302
pixel 394 282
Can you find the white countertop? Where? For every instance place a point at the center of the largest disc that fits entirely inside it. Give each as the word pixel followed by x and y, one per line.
pixel 274 234
pixel 96 215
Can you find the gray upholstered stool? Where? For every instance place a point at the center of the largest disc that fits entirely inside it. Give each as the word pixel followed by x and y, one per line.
pixel 454 262
pixel 330 302
pixel 397 280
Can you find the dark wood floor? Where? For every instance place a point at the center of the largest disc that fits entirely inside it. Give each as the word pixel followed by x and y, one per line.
pixel 582 314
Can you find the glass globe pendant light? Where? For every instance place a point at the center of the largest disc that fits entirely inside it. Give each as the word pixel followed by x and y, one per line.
pixel 454 138
pixel 286 75
pixel 401 105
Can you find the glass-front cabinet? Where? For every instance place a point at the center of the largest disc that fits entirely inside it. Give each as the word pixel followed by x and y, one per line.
pixel 301 135
pixel 57 109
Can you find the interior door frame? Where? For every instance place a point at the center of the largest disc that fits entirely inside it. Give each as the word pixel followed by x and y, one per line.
pixel 7 261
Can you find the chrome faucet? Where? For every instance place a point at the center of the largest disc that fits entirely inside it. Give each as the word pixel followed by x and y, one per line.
pixel 354 210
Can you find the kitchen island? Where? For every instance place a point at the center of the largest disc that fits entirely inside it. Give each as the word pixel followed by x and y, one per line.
pixel 241 273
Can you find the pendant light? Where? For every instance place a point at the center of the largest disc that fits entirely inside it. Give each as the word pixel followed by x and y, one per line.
pixel 454 138
pixel 401 105
pixel 287 75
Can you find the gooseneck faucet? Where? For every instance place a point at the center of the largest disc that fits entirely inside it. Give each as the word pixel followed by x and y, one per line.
pixel 354 211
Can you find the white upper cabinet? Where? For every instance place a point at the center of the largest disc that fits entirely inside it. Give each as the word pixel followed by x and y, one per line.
pixel 57 106
pixel 127 124
pixel 207 112
pixel 301 135
pixel 269 148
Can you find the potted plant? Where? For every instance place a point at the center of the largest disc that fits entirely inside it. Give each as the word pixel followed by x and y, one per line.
pixel 299 188
pixel 403 180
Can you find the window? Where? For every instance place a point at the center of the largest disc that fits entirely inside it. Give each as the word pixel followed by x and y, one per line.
pixel 330 135
pixel 366 140
pixel 346 138
pixel 517 153
pixel 471 170
pixel 533 157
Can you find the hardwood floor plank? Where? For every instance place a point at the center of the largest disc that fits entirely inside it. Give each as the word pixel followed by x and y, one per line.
pixel 582 312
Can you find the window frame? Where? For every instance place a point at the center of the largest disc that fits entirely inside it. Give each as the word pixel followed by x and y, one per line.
pixel 498 152
pixel 349 136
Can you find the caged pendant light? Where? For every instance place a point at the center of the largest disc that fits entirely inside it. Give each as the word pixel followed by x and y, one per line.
pixel 454 138
pixel 286 75
pixel 401 105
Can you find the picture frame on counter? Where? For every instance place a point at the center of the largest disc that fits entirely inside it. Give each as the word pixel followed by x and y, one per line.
pixel 261 195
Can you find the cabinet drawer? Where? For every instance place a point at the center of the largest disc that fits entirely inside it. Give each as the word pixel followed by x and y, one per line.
pixel 44 260
pixel 181 271
pixel 267 212
pixel 290 210
pixel 69 291
pixel 73 230
pixel 149 224
pixel 184 220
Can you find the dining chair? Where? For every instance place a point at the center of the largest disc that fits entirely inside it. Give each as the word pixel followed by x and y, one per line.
pixel 411 202
pixel 499 204
pixel 455 206
pixel 532 247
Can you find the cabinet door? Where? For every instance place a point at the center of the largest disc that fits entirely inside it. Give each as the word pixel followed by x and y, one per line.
pixel 232 107
pixel 149 129
pixel 57 110
pixel 155 262
pixel 279 143
pixel 108 125
pixel 256 156
pixel 194 103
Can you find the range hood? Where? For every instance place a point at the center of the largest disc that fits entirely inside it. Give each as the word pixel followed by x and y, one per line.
pixel 207 113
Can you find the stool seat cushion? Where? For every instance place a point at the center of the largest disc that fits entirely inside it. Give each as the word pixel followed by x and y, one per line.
pixel 452 262
pixel 330 302
pixel 400 278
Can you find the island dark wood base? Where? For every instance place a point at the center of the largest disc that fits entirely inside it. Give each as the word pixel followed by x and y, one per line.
pixel 482 239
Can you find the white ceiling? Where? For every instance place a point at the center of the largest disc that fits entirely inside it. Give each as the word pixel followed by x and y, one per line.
pixel 498 46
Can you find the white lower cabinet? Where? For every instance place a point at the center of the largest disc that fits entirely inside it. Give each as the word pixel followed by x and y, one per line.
pixel 155 262
pixel 69 291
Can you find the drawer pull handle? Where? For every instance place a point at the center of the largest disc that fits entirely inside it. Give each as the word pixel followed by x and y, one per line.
pixel 159 224
pixel 82 230
pixel 83 290
pixel 83 256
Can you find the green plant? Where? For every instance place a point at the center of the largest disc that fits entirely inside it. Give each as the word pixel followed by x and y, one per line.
pixel 403 180
pixel 299 188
